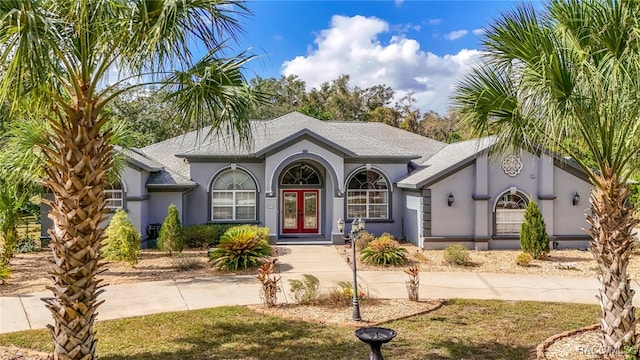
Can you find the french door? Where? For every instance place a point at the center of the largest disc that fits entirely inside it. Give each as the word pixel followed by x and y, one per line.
pixel 300 211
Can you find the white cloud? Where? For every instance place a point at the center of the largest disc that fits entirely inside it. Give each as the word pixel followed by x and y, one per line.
pixel 434 21
pixel 478 32
pixel 455 35
pixel 399 2
pixel 351 46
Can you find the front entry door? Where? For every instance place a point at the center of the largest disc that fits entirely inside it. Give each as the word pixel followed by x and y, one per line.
pixel 300 211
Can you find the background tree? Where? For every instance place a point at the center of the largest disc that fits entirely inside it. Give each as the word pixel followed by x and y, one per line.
pixel 571 71
pixel 171 237
pixel 61 53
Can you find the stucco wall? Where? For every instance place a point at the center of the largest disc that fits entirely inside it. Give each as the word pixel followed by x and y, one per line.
pixel 455 220
pixel 159 205
pixel 570 219
pixel 412 218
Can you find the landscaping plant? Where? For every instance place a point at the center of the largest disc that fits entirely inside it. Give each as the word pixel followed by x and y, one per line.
pixel 307 290
pixel 239 248
pixel 524 259
pixel 569 70
pixel 456 254
pixel 261 232
pixel 384 251
pixel 203 236
pixel 171 238
pixel 122 240
pixel 363 240
pixel 533 232
pixel 413 285
pixel 269 290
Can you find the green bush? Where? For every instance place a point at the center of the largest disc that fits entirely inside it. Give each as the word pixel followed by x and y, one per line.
pixel 240 248
pixel 384 251
pixel 307 290
pixel 343 295
pixel 171 237
pixel 122 240
pixel 533 232
pixel 524 259
pixel 456 254
pixel 27 244
pixel 204 236
pixel 362 242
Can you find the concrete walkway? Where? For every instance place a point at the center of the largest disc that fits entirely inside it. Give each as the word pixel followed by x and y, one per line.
pixel 23 312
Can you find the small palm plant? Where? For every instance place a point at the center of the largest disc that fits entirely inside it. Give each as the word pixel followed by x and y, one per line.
pixel 269 283
pixel 384 251
pixel 239 248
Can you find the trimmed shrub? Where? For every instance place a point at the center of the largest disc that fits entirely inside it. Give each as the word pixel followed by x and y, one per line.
pixel 307 290
pixel 524 259
pixel 362 242
pixel 384 251
pixel 171 237
pixel 456 254
pixel 122 240
pixel 203 236
pixel 240 248
pixel 533 232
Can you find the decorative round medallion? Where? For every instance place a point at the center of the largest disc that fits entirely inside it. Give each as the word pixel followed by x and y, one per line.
pixel 512 165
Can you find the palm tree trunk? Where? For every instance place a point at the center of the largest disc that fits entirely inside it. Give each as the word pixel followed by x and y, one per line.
pixel 78 158
pixel 612 224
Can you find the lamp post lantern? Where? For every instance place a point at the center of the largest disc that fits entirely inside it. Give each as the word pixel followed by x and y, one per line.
pixel 357 226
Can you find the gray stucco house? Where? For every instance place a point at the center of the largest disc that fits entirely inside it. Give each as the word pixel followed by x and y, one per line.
pixel 300 175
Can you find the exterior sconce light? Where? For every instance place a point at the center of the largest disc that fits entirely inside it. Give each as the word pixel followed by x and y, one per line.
pixel 576 199
pixel 450 199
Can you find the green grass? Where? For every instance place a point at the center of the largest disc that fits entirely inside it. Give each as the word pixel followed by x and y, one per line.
pixel 462 329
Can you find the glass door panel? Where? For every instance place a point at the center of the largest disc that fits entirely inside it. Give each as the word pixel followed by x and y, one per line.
pixel 311 210
pixel 290 220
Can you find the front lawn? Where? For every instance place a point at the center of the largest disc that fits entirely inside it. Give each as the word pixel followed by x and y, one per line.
pixel 462 329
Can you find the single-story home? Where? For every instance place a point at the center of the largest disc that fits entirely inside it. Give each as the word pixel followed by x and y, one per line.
pixel 299 175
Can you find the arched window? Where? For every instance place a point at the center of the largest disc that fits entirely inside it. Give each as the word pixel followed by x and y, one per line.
pixel 233 196
pixel 368 196
pixel 114 196
pixel 510 210
pixel 300 174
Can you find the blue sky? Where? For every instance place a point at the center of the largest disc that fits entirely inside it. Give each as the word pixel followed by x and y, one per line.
pixel 419 46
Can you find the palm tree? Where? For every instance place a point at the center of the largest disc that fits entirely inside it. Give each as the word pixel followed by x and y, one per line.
pixel 61 54
pixel 571 71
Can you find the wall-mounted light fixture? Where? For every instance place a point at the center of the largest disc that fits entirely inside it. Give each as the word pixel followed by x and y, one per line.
pixel 576 199
pixel 450 199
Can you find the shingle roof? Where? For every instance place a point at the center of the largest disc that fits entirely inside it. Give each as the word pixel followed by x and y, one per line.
pixel 362 139
pixel 449 158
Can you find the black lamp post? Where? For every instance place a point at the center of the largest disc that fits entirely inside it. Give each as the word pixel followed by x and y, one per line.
pixel 357 226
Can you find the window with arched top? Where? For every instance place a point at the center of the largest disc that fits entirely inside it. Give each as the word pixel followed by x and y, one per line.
pixel 114 196
pixel 300 174
pixel 368 195
pixel 233 196
pixel 509 212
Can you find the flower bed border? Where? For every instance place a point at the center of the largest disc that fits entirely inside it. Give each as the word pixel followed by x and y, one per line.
pixel 542 348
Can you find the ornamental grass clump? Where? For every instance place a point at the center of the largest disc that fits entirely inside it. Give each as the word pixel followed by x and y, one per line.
pixel 384 251
pixel 239 248
pixel 307 290
pixel 122 240
pixel 456 254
